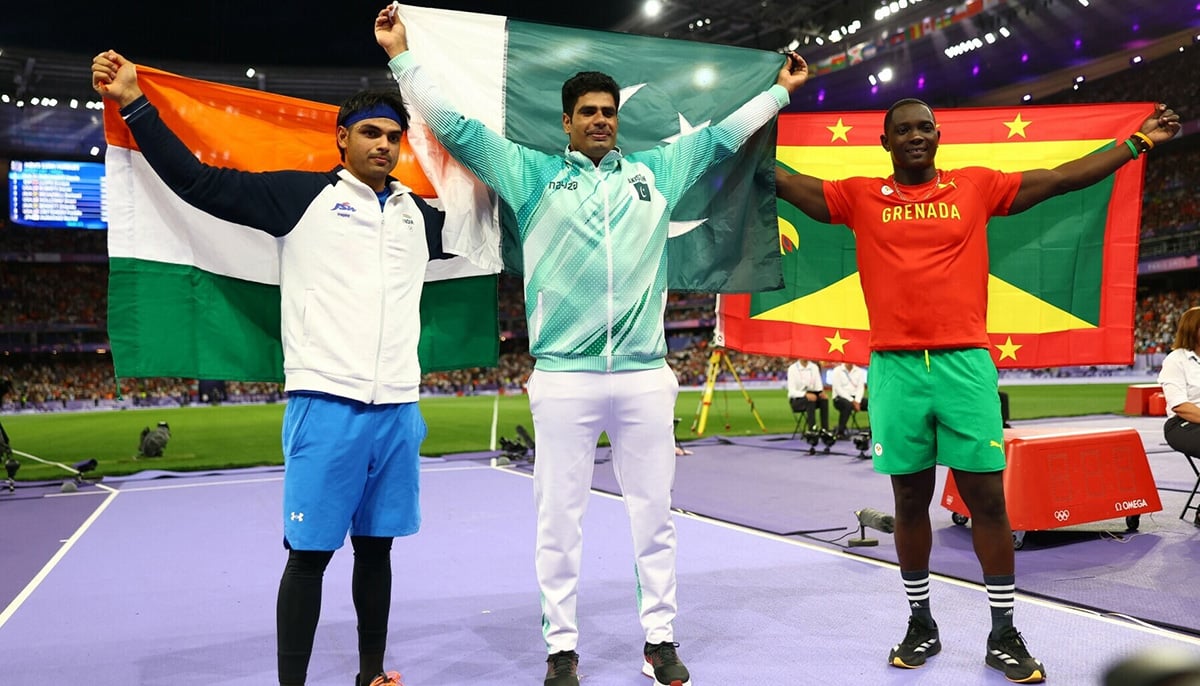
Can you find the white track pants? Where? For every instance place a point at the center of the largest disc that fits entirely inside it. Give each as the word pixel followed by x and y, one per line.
pixel 570 410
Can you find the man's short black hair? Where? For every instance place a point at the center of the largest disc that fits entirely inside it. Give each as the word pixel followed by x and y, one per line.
pixel 588 82
pixel 366 99
pixel 887 118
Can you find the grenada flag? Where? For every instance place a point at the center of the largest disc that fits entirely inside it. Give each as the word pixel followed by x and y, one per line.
pixel 194 296
pixel 1063 275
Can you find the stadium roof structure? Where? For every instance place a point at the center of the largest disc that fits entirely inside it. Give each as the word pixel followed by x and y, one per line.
pixel 1002 49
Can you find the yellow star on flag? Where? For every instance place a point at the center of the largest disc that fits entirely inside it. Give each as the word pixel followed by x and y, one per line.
pixel 1016 127
pixel 839 131
pixel 837 342
pixel 1009 349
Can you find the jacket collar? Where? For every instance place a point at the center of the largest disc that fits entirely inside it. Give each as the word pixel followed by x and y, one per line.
pixel 394 184
pixel 611 160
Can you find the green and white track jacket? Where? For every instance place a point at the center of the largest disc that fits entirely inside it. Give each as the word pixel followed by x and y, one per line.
pixel 593 236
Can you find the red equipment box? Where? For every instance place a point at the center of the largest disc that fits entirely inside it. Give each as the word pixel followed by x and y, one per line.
pixel 1062 477
pixel 1137 398
pixel 1158 405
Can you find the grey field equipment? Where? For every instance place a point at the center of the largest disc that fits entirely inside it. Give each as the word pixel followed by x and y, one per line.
pixel 154 441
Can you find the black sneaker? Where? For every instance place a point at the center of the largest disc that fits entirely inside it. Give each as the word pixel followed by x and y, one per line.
pixel 920 643
pixel 562 669
pixel 1009 655
pixel 664 665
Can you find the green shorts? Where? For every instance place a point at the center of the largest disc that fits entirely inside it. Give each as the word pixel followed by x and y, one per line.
pixel 935 407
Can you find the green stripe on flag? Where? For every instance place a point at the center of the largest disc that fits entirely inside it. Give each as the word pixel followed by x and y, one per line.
pixel 1055 250
pixel 448 309
pixel 163 319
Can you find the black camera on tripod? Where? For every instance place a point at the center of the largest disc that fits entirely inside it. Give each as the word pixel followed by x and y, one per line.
pixel 862 443
pixel 814 435
pixel 513 449
pixel 521 449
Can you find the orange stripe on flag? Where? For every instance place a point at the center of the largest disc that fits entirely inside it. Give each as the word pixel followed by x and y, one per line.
pixel 240 128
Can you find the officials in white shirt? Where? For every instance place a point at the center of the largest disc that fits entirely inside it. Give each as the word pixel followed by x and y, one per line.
pixel 849 385
pixel 806 393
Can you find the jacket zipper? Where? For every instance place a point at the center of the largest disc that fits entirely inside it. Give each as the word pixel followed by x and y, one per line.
pixel 382 303
pixel 608 345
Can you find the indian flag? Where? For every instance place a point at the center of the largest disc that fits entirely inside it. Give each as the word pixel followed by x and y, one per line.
pixel 1063 275
pixel 197 297
pixel 509 75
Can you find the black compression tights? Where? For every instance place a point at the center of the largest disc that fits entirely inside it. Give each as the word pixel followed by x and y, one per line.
pixel 372 591
pixel 297 610
pixel 299 606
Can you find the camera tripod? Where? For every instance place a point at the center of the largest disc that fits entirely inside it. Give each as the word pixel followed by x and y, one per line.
pixel 700 422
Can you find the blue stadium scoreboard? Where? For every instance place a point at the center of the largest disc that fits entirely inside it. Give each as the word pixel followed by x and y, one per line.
pixel 57 194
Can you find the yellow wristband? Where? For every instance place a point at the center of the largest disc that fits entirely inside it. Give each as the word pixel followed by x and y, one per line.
pixel 1145 139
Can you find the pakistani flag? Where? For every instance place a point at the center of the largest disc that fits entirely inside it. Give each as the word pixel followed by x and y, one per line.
pixel 509 75
pixel 194 296
pixel 1063 275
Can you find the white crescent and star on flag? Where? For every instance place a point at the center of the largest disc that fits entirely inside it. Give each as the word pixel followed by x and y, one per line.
pixel 675 228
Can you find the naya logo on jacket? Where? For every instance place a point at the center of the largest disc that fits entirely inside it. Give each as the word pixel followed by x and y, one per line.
pixel 562 185
pixel 343 209
pixel 640 186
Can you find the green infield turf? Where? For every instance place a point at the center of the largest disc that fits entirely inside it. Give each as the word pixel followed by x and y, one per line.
pixel 216 437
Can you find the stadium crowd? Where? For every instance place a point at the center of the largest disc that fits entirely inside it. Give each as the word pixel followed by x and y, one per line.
pixel 53 290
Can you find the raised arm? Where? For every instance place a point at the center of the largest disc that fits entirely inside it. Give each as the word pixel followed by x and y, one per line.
pixel 1041 184
pixel 269 201
pixel 806 192
pixel 497 161
pixel 688 158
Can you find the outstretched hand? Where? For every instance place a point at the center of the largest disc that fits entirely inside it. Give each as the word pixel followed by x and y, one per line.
pixel 115 78
pixel 794 72
pixel 1162 125
pixel 390 32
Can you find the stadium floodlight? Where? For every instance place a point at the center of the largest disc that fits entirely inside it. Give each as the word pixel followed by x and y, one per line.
pixel 652 8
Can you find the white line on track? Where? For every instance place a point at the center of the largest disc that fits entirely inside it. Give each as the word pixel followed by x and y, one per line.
pixel 112 494
pixel 1129 623
pixel 63 549
pixel 233 482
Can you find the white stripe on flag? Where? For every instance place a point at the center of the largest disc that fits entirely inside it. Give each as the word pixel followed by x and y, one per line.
pixel 148 221
pixel 465 54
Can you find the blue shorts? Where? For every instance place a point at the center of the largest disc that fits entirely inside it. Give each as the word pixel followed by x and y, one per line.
pixel 349 467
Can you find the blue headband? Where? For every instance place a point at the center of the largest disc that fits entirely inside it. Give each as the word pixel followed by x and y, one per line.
pixel 373 112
